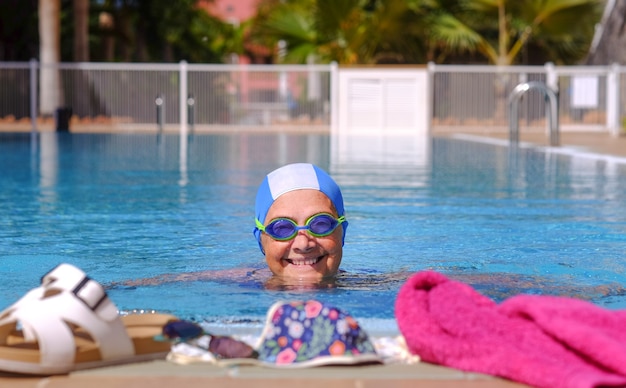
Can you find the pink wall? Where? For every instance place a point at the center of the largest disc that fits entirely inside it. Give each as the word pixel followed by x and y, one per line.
pixel 231 10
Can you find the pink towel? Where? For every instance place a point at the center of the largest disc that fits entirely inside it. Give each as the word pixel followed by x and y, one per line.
pixel 538 340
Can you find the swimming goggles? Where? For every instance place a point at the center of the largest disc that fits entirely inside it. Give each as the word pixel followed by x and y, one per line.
pixel 221 346
pixel 318 225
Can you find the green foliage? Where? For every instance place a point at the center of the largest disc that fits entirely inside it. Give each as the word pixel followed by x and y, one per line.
pixel 345 31
pixel 501 30
pixel 149 30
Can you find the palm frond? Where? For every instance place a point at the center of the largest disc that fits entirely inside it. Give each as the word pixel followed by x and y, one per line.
pixel 452 33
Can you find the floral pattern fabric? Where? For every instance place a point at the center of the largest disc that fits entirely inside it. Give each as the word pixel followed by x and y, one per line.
pixel 312 332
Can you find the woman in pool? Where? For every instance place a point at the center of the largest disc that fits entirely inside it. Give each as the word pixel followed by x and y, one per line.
pixel 300 226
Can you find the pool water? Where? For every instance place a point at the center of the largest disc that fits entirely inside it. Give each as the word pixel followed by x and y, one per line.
pixel 127 206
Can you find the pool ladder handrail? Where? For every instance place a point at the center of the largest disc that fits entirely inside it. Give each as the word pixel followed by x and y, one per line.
pixel 553 117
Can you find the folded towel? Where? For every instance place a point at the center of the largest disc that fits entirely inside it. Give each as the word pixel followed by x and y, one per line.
pixel 538 340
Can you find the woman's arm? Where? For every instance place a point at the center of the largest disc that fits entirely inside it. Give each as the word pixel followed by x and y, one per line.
pixel 232 274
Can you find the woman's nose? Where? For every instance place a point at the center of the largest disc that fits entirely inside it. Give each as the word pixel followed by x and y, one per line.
pixel 303 240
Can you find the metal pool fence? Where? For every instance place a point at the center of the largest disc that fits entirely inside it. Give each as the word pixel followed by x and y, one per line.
pixel 131 96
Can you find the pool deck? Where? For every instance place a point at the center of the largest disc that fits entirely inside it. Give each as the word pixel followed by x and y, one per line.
pixel 162 373
pixel 601 143
pixel 158 374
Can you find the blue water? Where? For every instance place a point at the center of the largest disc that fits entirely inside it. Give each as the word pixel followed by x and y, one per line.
pixel 127 206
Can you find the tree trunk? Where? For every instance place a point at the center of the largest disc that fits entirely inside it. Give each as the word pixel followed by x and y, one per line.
pixel 611 35
pixel 107 25
pixel 81 30
pixel 51 96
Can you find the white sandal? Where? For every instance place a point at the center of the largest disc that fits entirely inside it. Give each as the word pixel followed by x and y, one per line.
pixel 69 323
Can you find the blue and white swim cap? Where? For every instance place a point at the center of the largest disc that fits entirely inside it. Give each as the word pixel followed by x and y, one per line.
pixel 292 177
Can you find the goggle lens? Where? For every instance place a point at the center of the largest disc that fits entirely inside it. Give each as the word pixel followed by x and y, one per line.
pixel 281 229
pixel 322 225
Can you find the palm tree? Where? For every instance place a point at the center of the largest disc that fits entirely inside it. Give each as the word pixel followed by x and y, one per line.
pixel 291 23
pixel 499 30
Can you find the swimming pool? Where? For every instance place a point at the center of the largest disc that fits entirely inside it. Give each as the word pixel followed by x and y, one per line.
pixel 123 206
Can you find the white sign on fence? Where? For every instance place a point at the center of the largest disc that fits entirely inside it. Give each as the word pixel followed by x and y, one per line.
pixel 584 91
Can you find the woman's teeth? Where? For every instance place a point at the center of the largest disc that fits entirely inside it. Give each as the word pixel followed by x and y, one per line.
pixel 304 261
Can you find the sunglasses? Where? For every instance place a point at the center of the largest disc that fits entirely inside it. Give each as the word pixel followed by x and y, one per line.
pixel 318 225
pixel 220 346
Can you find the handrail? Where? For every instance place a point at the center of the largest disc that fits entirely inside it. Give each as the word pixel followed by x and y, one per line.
pixel 553 117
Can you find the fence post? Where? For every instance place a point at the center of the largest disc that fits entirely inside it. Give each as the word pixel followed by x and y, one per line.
pixel 612 100
pixel 183 98
pixel 431 69
pixel 160 111
pixel 334 100
pixel 33 94
pixel 191 103
pixel 552 78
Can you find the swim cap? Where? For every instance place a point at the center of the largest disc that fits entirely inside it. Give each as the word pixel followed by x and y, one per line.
pixel 292 177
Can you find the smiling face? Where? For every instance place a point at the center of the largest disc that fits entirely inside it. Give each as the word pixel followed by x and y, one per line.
pixel 304 256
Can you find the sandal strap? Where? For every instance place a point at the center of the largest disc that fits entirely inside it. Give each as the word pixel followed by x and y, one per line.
pixel 48 313
pixel 66 277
